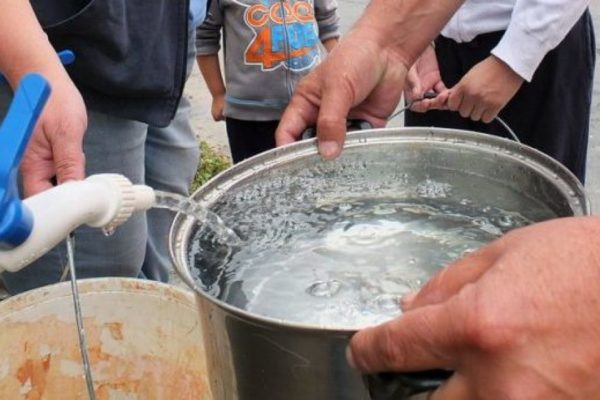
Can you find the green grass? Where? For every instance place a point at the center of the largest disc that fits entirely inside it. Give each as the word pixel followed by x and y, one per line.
pixel 211 163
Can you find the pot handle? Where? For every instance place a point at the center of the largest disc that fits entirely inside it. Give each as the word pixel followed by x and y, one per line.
pixel 351 125
pixel 400 386
pixel 433 95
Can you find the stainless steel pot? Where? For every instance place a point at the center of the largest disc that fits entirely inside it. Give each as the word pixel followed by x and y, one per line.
pixel 253 357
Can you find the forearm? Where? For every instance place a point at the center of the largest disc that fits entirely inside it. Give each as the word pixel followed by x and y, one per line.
pixel 24 47
pixel 406 27
pixel 211 71
pixel 330 44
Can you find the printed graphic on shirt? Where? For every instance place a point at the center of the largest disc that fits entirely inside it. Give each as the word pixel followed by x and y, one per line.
pixel 285 34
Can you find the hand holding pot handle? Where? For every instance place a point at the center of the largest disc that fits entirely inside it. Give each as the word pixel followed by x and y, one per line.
pixel 351 125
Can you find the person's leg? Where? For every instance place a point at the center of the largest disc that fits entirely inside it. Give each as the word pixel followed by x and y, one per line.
pixel 172 156
pixel 111 145
pixel 248 138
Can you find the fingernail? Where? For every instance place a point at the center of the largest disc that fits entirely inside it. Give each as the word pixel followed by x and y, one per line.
pixel 407 299
pixel 350 357
pixel 329 149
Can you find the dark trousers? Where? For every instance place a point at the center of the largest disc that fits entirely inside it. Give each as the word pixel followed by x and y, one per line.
pixel 248 138
pixel 551 113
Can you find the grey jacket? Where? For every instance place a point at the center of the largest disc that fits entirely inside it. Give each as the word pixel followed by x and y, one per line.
pixel 265 55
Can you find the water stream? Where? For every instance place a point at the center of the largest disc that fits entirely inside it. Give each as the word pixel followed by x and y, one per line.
pixel 185 205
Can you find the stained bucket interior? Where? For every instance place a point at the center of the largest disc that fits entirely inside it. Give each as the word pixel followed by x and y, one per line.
pixel 336 244
pixel 144 341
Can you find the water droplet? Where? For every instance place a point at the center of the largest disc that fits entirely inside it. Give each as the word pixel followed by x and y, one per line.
pixel 108 231
pixel 505 221
pixel 467 252
pixel 412 261
pixel 345 207
pixel 386 302
pixel 324 288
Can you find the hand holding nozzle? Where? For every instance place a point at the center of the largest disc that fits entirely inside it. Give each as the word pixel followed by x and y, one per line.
pixel 30 228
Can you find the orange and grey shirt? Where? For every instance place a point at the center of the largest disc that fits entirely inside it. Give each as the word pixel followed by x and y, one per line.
pixel 269 46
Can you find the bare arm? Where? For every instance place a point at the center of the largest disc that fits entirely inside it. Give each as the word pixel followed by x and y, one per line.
pixel 56 147
pixel 24 47
pixel 210 67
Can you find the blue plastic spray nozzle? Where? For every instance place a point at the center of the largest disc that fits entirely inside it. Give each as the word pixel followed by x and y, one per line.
pixel 30 97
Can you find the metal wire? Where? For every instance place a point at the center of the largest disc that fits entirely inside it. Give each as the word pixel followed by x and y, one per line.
pixel 512 133
pixel 89 381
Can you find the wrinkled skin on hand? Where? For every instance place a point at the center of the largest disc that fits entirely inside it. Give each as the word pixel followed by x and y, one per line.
pixel 485 90
pixel 519 319
pixel 56 148
pixel 362 82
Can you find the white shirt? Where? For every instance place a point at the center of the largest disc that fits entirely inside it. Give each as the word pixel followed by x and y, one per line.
pixel 533 27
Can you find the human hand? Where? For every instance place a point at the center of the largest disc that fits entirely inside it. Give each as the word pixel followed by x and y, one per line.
pixel 519 319
pixel 485 90
pixel 216 110
pixel 424 77
pixel 56 148
pixel 360 82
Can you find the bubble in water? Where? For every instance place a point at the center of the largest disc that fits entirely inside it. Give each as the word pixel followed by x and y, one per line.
pixel 465 202
pixel 386 303
pixel 431 189
pixel 467 252
pixel 506 221
pixel 324 288
pixel 345 207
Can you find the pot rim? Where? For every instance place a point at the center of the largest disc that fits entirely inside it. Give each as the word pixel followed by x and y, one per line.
pixel 182 225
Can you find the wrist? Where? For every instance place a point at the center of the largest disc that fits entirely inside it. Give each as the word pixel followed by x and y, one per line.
pixel 49 66
pixel 410 25
pixel 506 69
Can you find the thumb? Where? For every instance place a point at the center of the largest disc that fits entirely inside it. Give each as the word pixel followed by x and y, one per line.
pixel 414 83
pixel 302 110
pixel 425 338
pixel 337 100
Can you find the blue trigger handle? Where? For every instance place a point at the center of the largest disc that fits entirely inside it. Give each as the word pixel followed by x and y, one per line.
pixel 16 221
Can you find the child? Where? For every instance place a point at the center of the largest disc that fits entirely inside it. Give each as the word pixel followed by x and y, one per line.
pixel 531 62
pixel 265 55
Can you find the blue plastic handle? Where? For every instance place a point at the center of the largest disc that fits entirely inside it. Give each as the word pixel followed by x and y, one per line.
pixel 30 98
